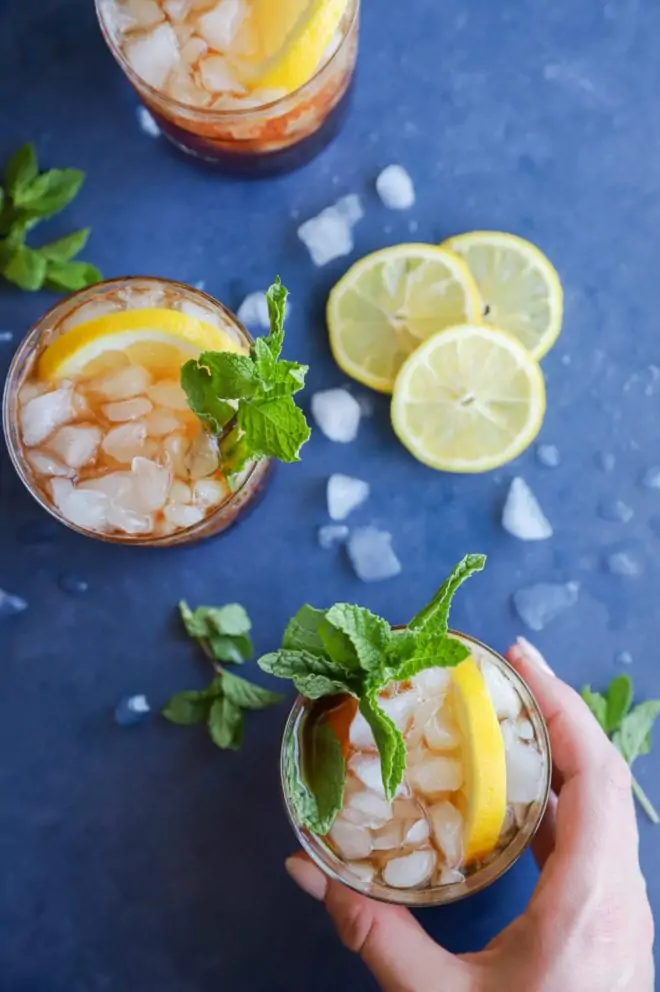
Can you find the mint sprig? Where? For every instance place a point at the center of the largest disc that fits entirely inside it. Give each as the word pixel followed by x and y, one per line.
pixel 629 729
pixel 28 197
pixel 348 649
pixel 223 632
pixel 254 393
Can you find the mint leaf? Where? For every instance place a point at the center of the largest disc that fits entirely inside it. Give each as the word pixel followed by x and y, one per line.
pixel 235 649
pixel 231 619
pixel 246 695
pixel 446 653
pixel 188 708
pixel 633 737
pixel 234 376
pixel 222 630
pixel 316 791
pixel 369 634
pixel 313 675
pixel 197 382
pixel 25 268
pixel 389 741
pixel 302 631
pixel 597 704
pixel 225 723
pixel 49 193
pixel 619 700
pixel 64 249
pixel 433 620
pixel 276 296
pixel 21 170
pixel 275 428
pixel 71 276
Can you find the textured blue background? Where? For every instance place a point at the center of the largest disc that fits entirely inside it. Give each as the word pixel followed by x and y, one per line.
pixel 143 859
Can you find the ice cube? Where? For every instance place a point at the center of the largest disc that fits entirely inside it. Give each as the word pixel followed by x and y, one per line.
pixel 84 508
pixel 434 774
pixel 191 52
pixel 220 25
pixel 43 414
pixel 72 583
pixel 400 708
pixel 344 495
pixel 203 457
pixel 200 312
pixel 6 337
pixel 128 520
pixel 168 393
pixel 126 442
pixel 153 56
pixel 548 455
pixel 217 76
pixel 10 605
pixel 160 423
pixel 368 770
pixel 504 697
pixel 537 605
pixel 363 870
pixel 31 390
pixel 388 837
pixel 127 409
pixel 123 384
pixel 451 876
pixel 182 515
pixel 45 464
pixel 332 534
pixel 447 829
pixel 615 511
pixel 350 841
pixel 176 10
pixel 525 729
pixel 441 733
pixel 410 871
pixel 209 492
pixel 522 516
pixel 253 311
pixel 337 414
pixel 360 733
pixel 623 658
pixel 117 486
pixel 92 311
pixel 147 123
pixel 418 833
pixel 624 563
pixel 76 446
pixel 143 13
pixel 152 485
pixel 131 710
pixel 651 478
pixel 181 85
pixel 395 188
pixel 524 771
pixel 371 554
pixel 180 492
pixel 432 682
pixel 367 809
pixel 330 235
pixel 423 714
pixel 175 451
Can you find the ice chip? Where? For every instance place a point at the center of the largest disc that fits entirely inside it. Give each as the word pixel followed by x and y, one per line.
pixel 344 495
pixel 153 56
pixel 451 876
pixel 363 870
pixel 127 409
pixel 220 25
pixel 360 733
pixel 522 516
pixel 372 556
pixel 203 457
pixel 435 774
pixel 368 770
pixel 76 446
pixel 180 492
pixel 389 837
pixel 625 564
pixel 168 393
pixel 623 658
pixel 182 515
pixel 651 478
pixel 548 455
pixel 337 414
pixel 331 535
pixel 152 485
pixel 217 76
pixel 10 605
pixel 143 13
pixel 447 827
pixel 117 486
pixel 45 464
pixel 539 604
pixel 367 809
pixel 147 123
pixel 605 461
pixel 84 508
pixel 131 710
pixel 395 188
pixel 505 699
pixel 432 682
pixel 175 451
pixel 350 841
pixel 253 311
pixel 128 520
pixel 418 833
pixel 524 772
pixel 160 423
pixel 176 10
pixel 330 235
pixel 209 492
pixel 441 733
pixel 122 384
pixel 43 414
pixel 126 442
pixel 400 708
pixel 410 871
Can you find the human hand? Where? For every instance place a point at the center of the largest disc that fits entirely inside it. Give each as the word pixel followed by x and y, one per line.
pixel 588 926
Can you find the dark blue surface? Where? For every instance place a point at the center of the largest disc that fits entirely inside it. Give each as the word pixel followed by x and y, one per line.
pixel 141 858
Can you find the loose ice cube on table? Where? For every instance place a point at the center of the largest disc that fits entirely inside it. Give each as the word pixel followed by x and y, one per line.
pixel 10 605
pixel 332 534
pixel 123 384
pixel 253 311
pixel 434 774
pixel 76 446
pixel 522 516
pixel 344 495
pixel 350 841
pixel 539 604
pixel 447 828
pixel 153 56
pixel 410 871
pixel 624 563
pixel 548 455
pixel 372 556
pixel 330 235
pixel 337 414
pixel 43 414
pixel 395 188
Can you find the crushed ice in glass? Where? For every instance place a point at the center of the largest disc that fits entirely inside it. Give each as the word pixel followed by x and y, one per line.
pixel 330 535
pixel 522 517
pixel 539 604
pixel 395 188
pixel 330 235
pixel 344 495
pixel 337 414
pixel 371 554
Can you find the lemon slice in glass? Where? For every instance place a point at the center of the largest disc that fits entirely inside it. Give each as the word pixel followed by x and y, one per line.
pixel 519 286
pixel 388 303
pixel 468 400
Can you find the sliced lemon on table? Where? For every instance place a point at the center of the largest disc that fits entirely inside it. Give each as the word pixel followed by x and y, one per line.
pixel 519 286
pixel 390 302
pixel 484 760
pixel 285 41
pixel 151 337
pixel 468 399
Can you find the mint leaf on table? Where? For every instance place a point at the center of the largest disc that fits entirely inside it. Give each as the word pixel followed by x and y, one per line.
pixel 226 724
pixel 246 695
pixel 29 197
pixel 254 392
pixel 315 787
pixel 188 708
pixel 629 729
pixel 224 631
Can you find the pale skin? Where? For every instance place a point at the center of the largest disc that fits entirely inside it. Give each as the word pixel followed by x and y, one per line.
pixel 588 926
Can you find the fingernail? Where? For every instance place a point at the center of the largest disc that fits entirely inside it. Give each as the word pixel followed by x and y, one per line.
pixel 533 655
pixel 306 875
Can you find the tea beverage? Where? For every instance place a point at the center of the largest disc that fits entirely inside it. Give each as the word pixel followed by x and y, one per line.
pixel 251 85
pixel 100 428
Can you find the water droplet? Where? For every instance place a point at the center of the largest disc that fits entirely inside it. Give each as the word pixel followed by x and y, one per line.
pixel 616 511
pixel 623 658
pixel 537 605
pixel 73 584
pixel 548 455
pixel 604 461
pixel 625 564
pixel 131 710
pixel 6 337
pixel 11 605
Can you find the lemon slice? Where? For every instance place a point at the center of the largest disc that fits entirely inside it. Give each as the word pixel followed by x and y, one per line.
pixel 484 761
pixel 288 41
pixel 520 287
pixel 469 399
pixel 388 303
pixel 156 336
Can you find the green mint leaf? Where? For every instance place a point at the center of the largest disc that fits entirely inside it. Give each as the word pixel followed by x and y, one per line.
pixel 64 249
pixel 25 268
pixel 302 631
pixel 188 708
pixel 193 621
pixel 197 383
pixel 231 619
pixel 369 634
pixel 619 700
pixel 597 704
pixel 2 200
pixel 71 276
pixel 633 737
pixel 233 375
pixel 50 192
pixel 277 296
pixel 315 804
pixel 21 170
pixel 247 695
pixel 236 649
pixel 225 724
pixel 389 741
pixel 222 629
pixel 433 620
pixel 314 676
pixel 274 428
pixel 446 653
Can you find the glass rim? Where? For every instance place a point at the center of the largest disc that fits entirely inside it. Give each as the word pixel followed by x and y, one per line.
pixel 26 347
pixel 205 112
pixel 437 895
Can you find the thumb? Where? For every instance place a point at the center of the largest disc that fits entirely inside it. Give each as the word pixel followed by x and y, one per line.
pixel 390 941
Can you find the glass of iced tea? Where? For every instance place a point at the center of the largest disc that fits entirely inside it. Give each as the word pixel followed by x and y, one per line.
pixel 254 86
pixel 99 428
